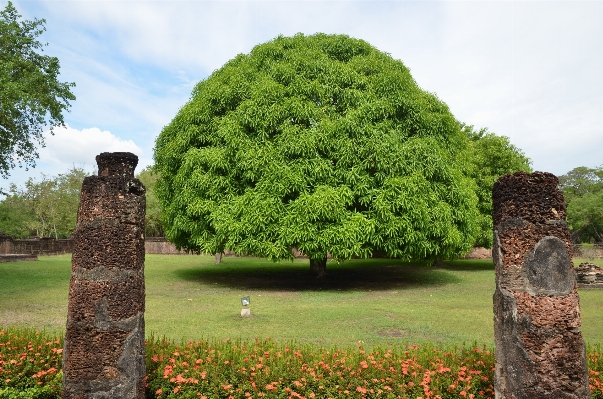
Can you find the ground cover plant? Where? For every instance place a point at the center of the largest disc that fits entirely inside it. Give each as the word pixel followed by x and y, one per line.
pixel 30 367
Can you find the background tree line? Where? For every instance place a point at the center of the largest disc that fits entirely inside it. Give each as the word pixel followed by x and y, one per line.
pixel 583 191
pixel 47 207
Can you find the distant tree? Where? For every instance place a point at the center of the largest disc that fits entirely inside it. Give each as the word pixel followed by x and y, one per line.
pixel 40 198
pixel 490 156
pixel 322 143
pixel 45 207
pixel 67 194
pixel 31 97
pixel 15 216
pixel 580 181
pixel 153 224
pixel 585 217
pixel 583 191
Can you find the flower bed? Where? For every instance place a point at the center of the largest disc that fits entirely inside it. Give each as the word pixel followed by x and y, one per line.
pixel 30 364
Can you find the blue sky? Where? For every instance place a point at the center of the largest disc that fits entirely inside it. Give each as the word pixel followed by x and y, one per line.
pixel 527 70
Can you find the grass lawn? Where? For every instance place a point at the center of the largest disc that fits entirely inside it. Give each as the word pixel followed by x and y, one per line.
pixel 377 301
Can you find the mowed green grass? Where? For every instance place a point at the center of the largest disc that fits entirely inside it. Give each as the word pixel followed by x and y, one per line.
pixel 379 301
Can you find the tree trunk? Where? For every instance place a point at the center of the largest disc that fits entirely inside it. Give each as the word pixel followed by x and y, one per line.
pixel 218 257
pixel 318 267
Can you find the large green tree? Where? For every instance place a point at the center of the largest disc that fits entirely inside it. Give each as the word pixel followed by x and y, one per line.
pixel 583 191
pixel 490 156
pixel 31 97
pixel 322 143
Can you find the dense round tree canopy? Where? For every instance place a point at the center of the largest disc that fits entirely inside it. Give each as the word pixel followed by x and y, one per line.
pixel 322 143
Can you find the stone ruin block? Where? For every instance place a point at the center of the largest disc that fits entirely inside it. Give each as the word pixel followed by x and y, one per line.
pixel 590 276
pixel 540 352
pixel 104 354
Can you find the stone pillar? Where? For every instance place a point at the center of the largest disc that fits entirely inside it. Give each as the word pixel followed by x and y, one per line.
pixel 540 351
pixel 104 354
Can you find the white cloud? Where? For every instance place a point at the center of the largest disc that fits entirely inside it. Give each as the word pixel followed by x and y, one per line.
pixel 527 70
pixel 69 146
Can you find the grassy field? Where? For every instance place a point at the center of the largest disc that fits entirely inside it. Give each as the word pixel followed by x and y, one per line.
pixel 375 301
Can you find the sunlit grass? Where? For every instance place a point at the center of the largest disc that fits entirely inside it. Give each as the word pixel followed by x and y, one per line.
pixel 378 302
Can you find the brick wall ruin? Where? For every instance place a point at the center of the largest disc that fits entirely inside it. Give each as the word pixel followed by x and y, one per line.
pixel 589 276
pixel 35 246
pixel 104 342
pixel 540 351
pixel 160 245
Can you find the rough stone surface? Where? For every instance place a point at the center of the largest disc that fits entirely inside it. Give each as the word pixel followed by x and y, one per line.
pixel 104 342
pixel 540 351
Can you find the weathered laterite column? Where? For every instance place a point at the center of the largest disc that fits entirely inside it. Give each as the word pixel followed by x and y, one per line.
pixel 540 352
pixel 104 355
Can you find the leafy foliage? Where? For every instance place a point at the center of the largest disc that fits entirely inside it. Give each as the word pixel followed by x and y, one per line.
pixel 31 97
pixel 153 226
pixel 15 216
pixel 322 143
pixel 583 191
pixel 491 157
pixel 45 208
pixel 581 181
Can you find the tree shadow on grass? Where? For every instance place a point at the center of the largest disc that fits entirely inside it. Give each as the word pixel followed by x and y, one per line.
pixel 473 265
pixel 369 275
